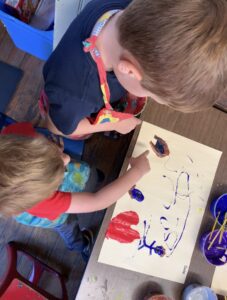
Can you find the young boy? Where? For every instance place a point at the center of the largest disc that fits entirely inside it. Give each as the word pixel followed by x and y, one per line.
pixel 31 171
pixel 173 51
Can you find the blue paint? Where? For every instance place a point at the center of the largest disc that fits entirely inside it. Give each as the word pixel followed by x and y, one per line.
pixel 182 197
pixel 219 205
pixel 136 194
pixel 159 250
pixel 176 194
pixel 164 219
pixel 167 207
pixel 166 236
pixel 217 253
pixel 160 147
pixel 106 120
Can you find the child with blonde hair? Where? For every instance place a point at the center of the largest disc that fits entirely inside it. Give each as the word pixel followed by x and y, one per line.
pixel 32 185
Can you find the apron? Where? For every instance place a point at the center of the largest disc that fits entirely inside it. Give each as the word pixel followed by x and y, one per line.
pixel 107 114
pixel 128 106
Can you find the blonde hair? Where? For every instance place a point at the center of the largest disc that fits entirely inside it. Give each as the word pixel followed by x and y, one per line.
pixel 181 47
pixel 31 169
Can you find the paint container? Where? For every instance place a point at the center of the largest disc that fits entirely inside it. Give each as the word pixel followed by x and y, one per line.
pixel 156 297
pixel 217 253
pixel 219 206
pixel 195 292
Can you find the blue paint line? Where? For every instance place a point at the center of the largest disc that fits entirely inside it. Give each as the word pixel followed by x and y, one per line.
pixel 159 250
pixel 177 196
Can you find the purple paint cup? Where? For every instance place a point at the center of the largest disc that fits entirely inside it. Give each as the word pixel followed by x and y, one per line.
pixel 217 253
pixel 219 207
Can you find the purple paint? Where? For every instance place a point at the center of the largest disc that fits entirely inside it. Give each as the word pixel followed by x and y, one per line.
pixel 159 250
pixel 136 194
pixel 160 147
pixel 166 236
pixel 217 253
pixel 162 220
pixel 182 185
pixel 219 206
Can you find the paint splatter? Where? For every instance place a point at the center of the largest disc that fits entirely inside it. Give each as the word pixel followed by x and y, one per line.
pixel 159 250
pixel 184 185
pixel 136 194
pixel 120 227
pixel 160 148
pixel 171 236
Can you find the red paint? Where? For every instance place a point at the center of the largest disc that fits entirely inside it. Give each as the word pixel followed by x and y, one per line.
pixel 120 227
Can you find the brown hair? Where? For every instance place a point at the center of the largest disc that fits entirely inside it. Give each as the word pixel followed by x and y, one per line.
pixel 181 47
pixel 31 169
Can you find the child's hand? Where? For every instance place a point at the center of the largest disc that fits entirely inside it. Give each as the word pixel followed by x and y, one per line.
pixel 141 163
pixel 87 202
pixel 125 126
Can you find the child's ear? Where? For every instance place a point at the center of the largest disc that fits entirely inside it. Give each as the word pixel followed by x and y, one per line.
pixel 128 68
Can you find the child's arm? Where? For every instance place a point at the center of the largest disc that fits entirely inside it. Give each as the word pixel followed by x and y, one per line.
pixel 84 127
pixel 88 202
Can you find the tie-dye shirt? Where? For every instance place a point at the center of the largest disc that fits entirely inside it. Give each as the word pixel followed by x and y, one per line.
pixel 51 212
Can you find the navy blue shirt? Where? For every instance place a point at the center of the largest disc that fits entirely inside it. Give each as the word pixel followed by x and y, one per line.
pixel 71 77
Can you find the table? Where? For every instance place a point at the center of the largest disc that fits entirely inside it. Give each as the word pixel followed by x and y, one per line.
pixel 104 282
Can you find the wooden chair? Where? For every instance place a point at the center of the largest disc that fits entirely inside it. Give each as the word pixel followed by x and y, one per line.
pixel 15 286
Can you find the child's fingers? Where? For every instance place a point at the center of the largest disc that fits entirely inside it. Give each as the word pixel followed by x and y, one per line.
pixel 145 153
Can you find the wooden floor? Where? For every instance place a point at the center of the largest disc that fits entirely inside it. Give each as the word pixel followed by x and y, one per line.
pixel 106 154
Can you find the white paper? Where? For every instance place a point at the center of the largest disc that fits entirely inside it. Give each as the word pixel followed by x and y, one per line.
pixel 219 282
pixel 176 193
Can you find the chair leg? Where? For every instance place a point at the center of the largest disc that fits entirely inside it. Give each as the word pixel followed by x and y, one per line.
pixel 11 270
pixel 37 270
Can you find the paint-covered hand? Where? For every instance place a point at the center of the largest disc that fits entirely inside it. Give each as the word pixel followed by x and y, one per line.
pixel 141 163
pixel 125 126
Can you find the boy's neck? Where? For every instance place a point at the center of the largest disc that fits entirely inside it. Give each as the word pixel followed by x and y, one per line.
pixel 108 44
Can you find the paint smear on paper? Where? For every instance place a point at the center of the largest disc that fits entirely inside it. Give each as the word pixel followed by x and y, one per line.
pixel 120 227
pixel 160 148
pixel 172 236
pixel 152 246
